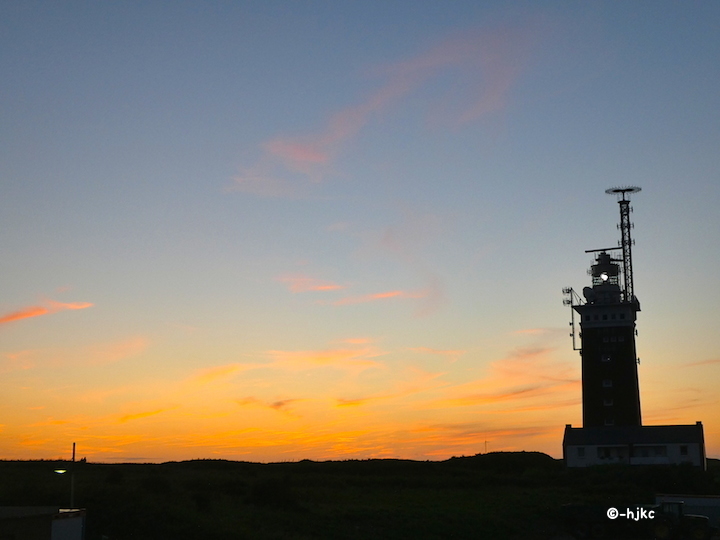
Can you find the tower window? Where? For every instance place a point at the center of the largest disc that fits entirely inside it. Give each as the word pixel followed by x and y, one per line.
pixel 607 383
pixel 622 315
pixel 605 317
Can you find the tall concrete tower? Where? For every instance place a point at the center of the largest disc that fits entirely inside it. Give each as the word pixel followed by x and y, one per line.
pixel 610 390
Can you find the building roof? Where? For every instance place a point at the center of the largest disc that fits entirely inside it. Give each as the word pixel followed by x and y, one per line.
pixel 624 435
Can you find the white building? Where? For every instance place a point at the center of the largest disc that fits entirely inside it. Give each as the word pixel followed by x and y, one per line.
pixel 634 445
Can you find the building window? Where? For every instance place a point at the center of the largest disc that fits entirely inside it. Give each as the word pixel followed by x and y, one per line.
pixel 661 450
pixel 581 451
pixel 683 450
pixel 621 338
pixel 608 402
pixel 587 317
pixel 613 339
pixel 607 383
pixel 622 315
pixel 612 316
pixel 595 317
pixel 605 317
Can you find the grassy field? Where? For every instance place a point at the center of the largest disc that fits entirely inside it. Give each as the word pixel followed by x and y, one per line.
pixel 496 496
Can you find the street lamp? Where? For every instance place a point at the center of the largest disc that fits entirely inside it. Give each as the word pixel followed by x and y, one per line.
pixel 72 478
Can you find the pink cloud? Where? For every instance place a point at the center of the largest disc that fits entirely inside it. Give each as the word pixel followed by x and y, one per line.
pixel 36 311
pixel 704 362
pixel 371 298
pixel 302 283
pixel 483 66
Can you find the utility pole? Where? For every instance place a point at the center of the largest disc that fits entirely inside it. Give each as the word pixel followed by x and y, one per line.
pixel 72 480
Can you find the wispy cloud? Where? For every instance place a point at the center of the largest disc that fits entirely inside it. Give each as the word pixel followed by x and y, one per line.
pixel 210 375
pixel 482 67
pixel 36 311
pixel 709 362
pixel 282 405
pixel 528 378
pixel 359 358
pixel 302 283
pixel 137 416
pixel 373 297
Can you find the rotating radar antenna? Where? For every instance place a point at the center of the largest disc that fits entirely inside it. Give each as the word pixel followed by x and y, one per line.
pixel 623 194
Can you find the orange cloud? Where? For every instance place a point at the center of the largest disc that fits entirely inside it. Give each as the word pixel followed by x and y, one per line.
pixel 328 357
pixel 372 297
pixel 531 331
pixel 301 283
pixel 136 416
pixel 58 306
pixel 36 311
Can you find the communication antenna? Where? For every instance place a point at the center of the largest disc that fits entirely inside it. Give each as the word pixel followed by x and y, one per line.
pixel 623 194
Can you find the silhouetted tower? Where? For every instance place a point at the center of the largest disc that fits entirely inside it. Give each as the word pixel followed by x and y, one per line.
pixel 610 391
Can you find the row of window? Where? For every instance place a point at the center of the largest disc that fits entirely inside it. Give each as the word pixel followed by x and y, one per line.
pixel 613 316
pixel 637 451
pixel 613 339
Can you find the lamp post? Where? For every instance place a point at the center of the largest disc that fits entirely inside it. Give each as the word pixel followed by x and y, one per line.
pixel 72 478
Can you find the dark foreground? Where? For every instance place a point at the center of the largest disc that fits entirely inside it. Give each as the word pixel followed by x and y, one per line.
pixel 495 496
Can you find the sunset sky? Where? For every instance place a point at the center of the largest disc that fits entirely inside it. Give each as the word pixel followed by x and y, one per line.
pixel 268 231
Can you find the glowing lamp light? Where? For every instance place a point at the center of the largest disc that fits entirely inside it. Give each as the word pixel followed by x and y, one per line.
pixel 61 471
pixel 604 276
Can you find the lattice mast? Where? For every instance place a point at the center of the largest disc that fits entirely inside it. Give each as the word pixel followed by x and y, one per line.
pixel 626 241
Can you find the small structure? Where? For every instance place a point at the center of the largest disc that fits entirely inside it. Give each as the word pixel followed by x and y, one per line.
pixel 612 429
pixel 634 445
pixel 41 523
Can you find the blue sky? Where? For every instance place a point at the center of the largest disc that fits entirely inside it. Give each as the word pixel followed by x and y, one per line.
pixel 277 230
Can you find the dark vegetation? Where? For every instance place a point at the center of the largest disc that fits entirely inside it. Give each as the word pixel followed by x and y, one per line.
pixel 496 496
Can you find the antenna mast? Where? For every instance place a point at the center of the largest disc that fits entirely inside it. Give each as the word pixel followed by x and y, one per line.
pixel 626 242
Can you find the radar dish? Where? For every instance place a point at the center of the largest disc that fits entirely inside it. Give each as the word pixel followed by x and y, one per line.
pixel 589 295
pixel 621 191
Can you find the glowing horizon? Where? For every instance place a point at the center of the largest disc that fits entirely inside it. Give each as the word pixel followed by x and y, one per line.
pixel 270 234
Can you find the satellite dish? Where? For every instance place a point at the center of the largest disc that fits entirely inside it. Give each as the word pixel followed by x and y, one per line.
pixel 621 191
pixel 589 294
